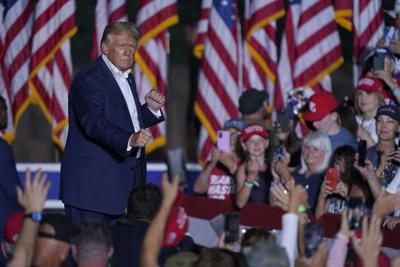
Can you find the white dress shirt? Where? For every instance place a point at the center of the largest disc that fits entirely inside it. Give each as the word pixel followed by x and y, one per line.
pixel 122 80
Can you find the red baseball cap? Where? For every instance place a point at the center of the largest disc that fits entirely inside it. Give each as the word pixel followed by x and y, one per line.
pixel 13 226
pixel 372 84
pixel 254 129
pixel 320 105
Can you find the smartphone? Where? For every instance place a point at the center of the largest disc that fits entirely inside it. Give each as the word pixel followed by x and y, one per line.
pixel 176 164
pixel 379 61
pixel 232 227
pixel 362 151
pixel 284 119
pixel 356 212
pixel 312 238
pixel 280 153
pixel 224 140
pixel 332 177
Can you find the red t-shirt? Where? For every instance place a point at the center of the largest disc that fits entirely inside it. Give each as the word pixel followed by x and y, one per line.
pixel 221 184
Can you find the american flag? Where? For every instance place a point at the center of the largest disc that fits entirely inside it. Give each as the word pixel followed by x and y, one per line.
pixel 16 22
pixel 368 29
pixel 219 85
pixel 261 53
pixel 202 27
pixel 51 64
pixel 310 47
pixel 153 19
pixel 344 13
pixel 106 11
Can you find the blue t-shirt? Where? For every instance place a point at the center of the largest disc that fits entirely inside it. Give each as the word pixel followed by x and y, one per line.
pixel 312 184
pixel 343 138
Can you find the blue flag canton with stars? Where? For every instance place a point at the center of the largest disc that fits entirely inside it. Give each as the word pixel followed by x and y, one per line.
pixel 294 2
pixel 225 9
pixel 7 4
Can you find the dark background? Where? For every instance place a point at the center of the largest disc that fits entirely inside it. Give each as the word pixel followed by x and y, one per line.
pixel 33 139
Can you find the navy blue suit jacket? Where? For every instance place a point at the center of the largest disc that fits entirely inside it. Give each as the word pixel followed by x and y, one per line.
pixel 8 181
pixel 97 171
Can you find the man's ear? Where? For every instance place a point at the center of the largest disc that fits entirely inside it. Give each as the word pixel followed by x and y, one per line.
pixel 104 48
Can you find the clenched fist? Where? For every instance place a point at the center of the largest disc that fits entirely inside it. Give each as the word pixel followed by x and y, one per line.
pixel 141 138
pixel 155 100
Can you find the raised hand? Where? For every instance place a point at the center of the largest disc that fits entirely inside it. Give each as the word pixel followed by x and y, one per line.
pixel 155 100
pixel 141 138
pixel 35 193
pixel 368 247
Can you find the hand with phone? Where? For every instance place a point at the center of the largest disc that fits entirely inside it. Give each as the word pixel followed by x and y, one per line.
pixel 332 178
pixel 284 118
pixel 362 151
pixel 224 140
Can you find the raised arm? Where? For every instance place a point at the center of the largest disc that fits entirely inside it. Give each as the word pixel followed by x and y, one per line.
pixel 32 199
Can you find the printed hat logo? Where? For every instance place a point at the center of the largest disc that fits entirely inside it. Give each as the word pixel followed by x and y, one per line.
pixel 312 107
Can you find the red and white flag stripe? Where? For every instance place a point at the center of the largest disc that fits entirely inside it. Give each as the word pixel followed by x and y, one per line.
pixel 368 29
pixel 106 11
pixel 220 75
pixel 261 53
pixel 151 71
pixel 51 63
pixel 15 35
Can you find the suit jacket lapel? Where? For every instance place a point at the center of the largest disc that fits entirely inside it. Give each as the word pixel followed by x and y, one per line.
pixel 113 87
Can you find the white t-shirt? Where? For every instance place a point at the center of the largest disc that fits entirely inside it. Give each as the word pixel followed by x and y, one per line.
pixel 369 126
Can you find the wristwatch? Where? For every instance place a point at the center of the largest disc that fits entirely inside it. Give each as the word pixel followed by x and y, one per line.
pixel 36 216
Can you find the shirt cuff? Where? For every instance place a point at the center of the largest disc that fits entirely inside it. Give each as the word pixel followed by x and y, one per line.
pixel 157 114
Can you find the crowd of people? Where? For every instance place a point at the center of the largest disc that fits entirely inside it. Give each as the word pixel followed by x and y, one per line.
pixel 346 162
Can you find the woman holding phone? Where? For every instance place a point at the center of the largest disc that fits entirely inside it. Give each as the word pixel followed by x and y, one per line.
pixel 217 179
pixel 341 181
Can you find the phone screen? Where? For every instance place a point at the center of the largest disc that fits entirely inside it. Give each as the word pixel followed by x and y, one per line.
pixel 284 119
pixel 232 225
pixel 362 151
pixel 224 140
pixel 379 61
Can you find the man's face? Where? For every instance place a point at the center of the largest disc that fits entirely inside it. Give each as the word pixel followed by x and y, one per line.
pixel 3 116
pixel 120 50
pixel 324 125
pixel 386 128
pixel 49 252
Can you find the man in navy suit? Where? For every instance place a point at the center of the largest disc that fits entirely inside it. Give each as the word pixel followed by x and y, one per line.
pixel 8 177
pixel 104 155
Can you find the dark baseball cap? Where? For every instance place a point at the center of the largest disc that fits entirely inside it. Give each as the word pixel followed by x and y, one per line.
pixel 389 110
pixel 62 226
pixel 252 100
